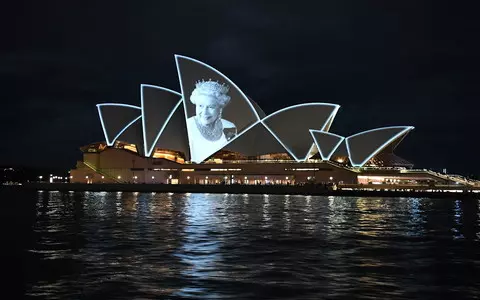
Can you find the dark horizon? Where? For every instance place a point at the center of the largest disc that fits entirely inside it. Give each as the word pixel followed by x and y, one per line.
pixel 385 64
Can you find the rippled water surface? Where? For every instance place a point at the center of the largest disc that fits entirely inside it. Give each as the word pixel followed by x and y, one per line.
pixel 222 246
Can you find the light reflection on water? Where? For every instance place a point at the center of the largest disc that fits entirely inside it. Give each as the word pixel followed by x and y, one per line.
pixel 216 246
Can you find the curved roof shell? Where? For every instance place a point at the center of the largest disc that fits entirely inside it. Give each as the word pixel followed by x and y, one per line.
pixel 158 106
pixel 363 146
pixel 326 142
pixel 291 126
pixel 116 118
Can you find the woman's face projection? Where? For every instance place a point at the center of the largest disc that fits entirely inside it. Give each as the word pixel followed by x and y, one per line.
pixel 207 109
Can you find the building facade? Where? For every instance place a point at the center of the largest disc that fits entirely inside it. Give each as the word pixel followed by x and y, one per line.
pixel 211 132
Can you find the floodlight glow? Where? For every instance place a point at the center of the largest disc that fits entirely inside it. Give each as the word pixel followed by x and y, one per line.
pixel 405 130
pixel 328 156
pixel 110 143
pixel 148 151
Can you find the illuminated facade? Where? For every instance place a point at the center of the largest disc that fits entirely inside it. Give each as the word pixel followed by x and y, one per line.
pixel 212 133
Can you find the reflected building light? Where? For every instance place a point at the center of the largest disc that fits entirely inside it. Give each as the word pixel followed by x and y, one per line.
pixel 286 213
pixel 266 204
pixel 308 204
pixel 458 211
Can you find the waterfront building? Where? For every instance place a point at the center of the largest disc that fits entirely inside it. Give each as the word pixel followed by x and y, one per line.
pixel 212 133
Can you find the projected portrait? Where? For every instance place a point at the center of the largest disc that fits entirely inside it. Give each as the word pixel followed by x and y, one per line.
pixel 207 130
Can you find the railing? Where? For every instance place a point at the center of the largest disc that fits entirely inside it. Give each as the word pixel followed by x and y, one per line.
pixel 339 165
pixel 252 161
pixel 102 172
pixel 455 178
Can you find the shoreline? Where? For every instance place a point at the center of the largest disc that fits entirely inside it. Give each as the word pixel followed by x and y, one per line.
pixel 242 189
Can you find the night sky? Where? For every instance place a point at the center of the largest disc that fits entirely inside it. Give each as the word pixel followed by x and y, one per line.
pixel 385 62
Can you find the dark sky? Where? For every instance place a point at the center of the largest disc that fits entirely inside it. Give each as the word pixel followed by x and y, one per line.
pixel 385 62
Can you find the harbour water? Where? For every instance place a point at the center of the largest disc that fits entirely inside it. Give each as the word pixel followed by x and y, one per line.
pixel 119 245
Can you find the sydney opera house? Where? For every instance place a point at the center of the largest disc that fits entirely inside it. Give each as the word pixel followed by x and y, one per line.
pixel 212 133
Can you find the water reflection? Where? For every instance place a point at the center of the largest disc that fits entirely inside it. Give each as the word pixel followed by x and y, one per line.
pixel 199 250
pixel 457 217
pixel 286 212
pixel 218 246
